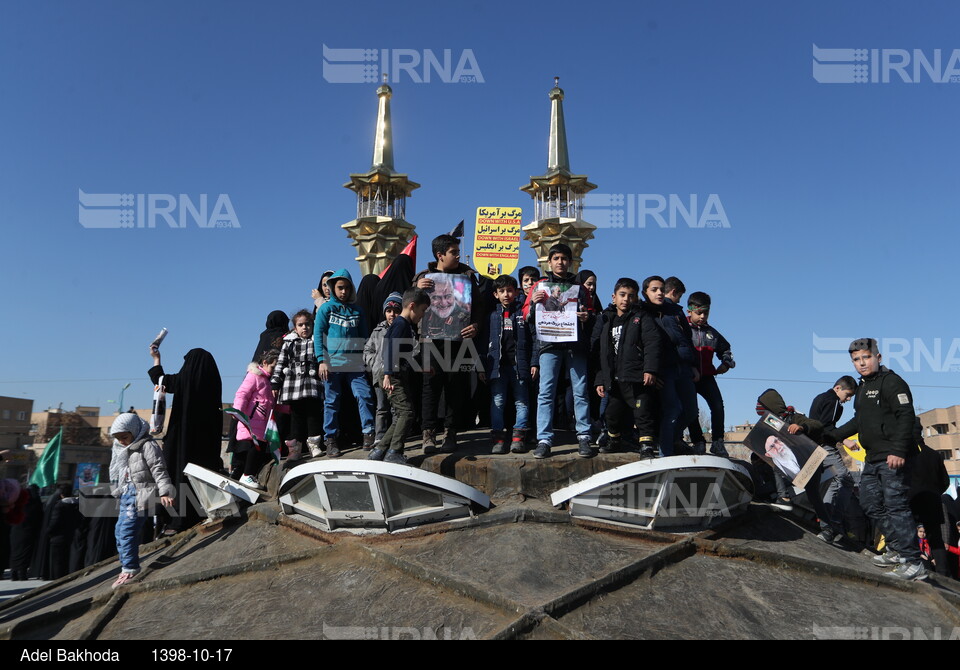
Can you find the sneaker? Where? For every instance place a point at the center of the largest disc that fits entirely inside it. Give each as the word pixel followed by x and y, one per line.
pixel 251 482
pixel 293 453
pixel 333 451
pixel 498 444
pixel 700 448
pixel 887 559
pixel 782 504
pixel 449 445
pixel 369 439
pixel 912 572
pixel 611 445
pixel 377 454
pixel 718 449
pixel 542 450
pixel 585 450
pixel 517 445
pixel 124 578
pixel 647 452
pixel 429 442
pixel 395 457
pixel 316 447
pixel 827 535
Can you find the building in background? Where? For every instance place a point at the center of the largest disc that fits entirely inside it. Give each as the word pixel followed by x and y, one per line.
pixel 15 419
pixel 941 431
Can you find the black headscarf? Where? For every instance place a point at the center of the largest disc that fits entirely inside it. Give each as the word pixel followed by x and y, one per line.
pixel 583 276
pixel 278 325
pixel 367 301
pixel 323 281
pixel 196 420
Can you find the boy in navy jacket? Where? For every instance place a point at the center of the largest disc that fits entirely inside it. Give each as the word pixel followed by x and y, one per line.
pixel 509 359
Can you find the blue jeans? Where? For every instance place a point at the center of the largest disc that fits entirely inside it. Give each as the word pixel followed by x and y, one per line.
pixel 361 391
pixel 679 398
pixel 885 498
pixel 127 532
pixel 840 489
pixel 551 364
pixel 499 389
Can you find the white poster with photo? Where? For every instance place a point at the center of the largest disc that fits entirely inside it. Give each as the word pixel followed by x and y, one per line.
pixel 556 317
pixel 449 311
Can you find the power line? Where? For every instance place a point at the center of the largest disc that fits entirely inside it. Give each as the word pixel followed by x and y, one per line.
pixel 811 381
pixel 63 381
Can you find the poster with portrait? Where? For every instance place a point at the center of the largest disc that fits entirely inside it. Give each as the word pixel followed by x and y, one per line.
pixel 449 311
pixel 88 475
pixel 556 317
pixel 795 456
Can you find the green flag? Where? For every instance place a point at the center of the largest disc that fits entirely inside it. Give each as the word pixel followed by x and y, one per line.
pixel 272 436
pixel 49 466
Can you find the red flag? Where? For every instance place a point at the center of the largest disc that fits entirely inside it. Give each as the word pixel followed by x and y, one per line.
pixel 409 250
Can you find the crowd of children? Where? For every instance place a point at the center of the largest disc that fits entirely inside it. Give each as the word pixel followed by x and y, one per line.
pixel 629 376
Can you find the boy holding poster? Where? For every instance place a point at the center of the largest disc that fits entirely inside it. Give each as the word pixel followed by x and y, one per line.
pixel 563 340
pixel 447 330
pixel 508 365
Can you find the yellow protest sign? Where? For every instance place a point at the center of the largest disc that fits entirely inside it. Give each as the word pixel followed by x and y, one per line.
pixel 496 242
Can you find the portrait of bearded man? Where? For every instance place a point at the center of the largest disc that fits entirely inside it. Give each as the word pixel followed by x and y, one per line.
pixel 447 316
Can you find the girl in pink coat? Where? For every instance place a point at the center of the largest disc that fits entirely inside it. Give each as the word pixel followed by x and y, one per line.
pixel 255 399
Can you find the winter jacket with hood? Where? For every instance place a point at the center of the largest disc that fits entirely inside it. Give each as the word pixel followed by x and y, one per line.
pixel 638 351
pixel 523 346
pixel 827 409
pixel 140 463
pixel 884 417
pixel 670 317
pixel 255 399
pixel 772 401
pixel 340 330
pixel 295 375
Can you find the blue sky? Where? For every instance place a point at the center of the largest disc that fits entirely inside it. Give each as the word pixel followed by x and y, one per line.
pixel 840 198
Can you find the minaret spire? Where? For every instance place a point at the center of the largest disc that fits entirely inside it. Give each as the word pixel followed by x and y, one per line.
pixel 380 232
pixel 383 138
pixel 558 195
pixel 558 158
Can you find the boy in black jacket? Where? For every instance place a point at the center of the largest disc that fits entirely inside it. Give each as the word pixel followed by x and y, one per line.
pixel 884 419
pixel 630 345
pixel 827 408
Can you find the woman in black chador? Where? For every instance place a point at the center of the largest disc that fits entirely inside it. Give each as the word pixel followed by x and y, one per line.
pixel 196 424
pixel 25 536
